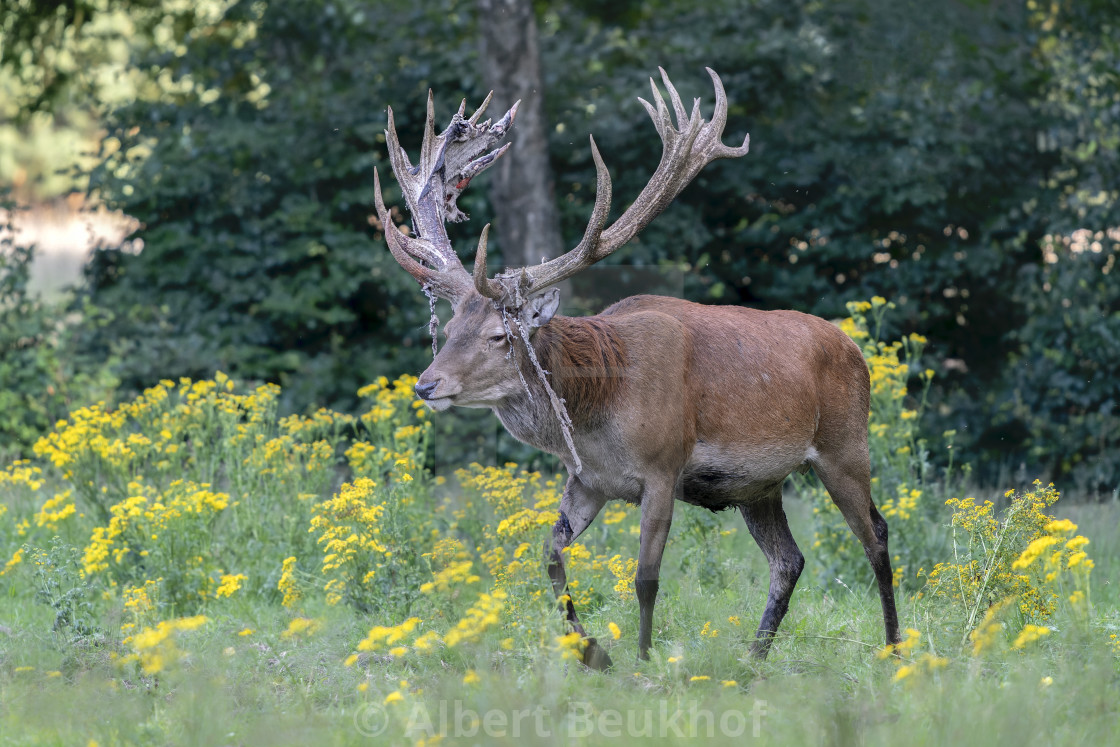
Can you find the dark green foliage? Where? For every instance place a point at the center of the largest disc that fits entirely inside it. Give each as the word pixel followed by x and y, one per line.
pixel 1058 405
pixel 259 257
pixel 915 151
pixel 912 150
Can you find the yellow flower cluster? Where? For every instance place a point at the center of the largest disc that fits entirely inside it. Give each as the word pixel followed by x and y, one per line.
pixel 139 600
pixel 570 646
pixel 21 473
pixel 154 426
pixel 348 528
pixel 907 664
pixel 481 616
pixel 624 571
pixel 324 424
pixel 454 576
pixel 503 488
pixel 229 584
pixel 447 551
pixel 55 510
pixel 382 636
pixel 1028 564
pixel 526 521
pixel 184 508
pixel 389 400
pixel 904 505
pixel 154 648
pixel 989 555
pixel 16 559
pixel 1029 634
pixel 287 583
pixel 302 626
pixel 986 634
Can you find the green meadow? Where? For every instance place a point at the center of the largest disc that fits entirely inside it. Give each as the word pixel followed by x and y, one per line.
pixel 188 567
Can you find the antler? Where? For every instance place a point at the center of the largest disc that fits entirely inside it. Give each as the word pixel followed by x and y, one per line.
pixel 686 149
pixel 431 188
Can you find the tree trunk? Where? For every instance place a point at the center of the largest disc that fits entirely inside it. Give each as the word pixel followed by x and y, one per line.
pixel 528 223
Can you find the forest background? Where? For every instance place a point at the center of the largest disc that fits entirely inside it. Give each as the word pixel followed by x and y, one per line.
pixel 958 159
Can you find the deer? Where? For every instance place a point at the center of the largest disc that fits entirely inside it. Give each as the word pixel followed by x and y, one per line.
pixel 655 400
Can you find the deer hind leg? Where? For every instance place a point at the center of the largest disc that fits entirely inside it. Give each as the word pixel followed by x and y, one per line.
pixel 849 485
pixel 767 523
pixel 577 511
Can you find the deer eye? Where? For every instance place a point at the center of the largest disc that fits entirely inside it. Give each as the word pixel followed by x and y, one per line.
pixel 498 338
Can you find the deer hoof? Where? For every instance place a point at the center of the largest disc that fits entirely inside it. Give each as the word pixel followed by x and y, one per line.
pixel 596 657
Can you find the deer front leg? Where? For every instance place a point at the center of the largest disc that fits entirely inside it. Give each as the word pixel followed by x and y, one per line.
pixel 657 516
pixel 577 510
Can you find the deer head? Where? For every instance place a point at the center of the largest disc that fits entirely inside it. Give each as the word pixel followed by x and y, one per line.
pixel 476 367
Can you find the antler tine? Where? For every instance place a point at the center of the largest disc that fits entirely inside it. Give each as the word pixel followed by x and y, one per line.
pixel 482 283
pixel 660 114
pixel 687 147
pixel 431 146
pixel 478 112
pixel 602 207
pixel 675 97
pixel 398 158
pixel 719 119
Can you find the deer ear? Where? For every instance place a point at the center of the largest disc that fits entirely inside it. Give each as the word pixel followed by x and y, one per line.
pixel 540 309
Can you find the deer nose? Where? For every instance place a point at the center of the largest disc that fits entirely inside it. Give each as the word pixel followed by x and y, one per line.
pixel 424 391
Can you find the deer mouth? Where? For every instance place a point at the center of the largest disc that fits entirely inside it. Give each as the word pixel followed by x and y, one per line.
pixel 439 404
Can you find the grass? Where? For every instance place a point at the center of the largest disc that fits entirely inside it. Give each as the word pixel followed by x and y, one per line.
pixel 823 681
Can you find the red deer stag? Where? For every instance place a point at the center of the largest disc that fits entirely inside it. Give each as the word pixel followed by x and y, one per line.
pixel 656 399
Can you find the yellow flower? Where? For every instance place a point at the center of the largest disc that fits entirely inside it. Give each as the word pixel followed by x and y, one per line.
pixel 17 558
pixel 1033 551
pixel 470 677
pixel 229 585
pixel 1061 526
pixel 1029 634
pixel 699 678
pixel 393 697
pixel 301 626
pixel 616 633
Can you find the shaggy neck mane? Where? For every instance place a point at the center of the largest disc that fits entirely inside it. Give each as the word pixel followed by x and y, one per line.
pixel 586 361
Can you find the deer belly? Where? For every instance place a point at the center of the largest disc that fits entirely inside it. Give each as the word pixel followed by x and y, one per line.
pixel 719 477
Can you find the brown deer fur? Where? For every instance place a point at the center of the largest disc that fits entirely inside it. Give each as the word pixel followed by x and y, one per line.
pixel 587 362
